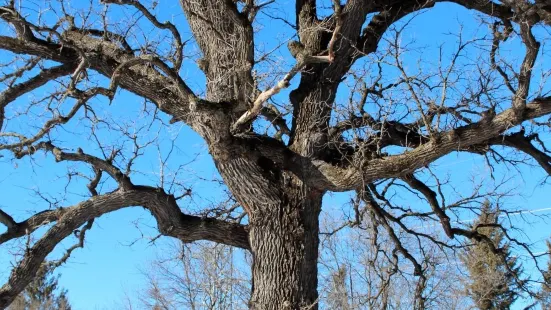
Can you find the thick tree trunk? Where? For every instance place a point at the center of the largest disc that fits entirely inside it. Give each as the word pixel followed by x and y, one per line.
pixel 283 230
pixel 284 242
pixel 283 212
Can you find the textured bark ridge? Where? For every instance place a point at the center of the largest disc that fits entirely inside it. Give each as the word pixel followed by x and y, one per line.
pixel 284 243
pixel 226 40
pixel 278 179
pixel 283 231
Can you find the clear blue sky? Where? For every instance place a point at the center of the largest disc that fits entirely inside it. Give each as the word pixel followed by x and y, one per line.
pixel 108 268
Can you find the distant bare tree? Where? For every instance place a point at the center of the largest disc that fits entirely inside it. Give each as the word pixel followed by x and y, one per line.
pixel 198 276
pixel 337 295
pixel 357 273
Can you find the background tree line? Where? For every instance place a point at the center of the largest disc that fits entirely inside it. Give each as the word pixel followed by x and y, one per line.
pixel 356 274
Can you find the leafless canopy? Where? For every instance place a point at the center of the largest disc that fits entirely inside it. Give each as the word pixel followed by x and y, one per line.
pixel 278 152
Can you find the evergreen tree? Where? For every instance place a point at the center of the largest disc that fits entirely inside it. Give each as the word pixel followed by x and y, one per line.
pixel 545 293
pixel 492 280
pixel 43 293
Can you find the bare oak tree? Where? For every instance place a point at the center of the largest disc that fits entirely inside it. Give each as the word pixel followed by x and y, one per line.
pixel 277 160
pixel 197 276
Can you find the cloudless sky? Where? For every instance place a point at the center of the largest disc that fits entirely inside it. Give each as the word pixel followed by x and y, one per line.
pixel 107 270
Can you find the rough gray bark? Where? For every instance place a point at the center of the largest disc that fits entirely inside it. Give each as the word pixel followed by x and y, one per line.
pixel 285 251
pixel 279 185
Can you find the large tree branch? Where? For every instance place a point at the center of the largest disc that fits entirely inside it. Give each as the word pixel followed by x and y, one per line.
pixel 377 26
pixel 524 144
pixel 325 176
pixel 164 213
pixel 306 15
pixel 225 37
pixel 313 99
pixel 251 114
pixel 389 132
pixel 303 59
pixel 170 220
pixel 460 138
pixel 525 75
pixel 7 220
pixel 105 57
pixel 10 14
pixel 430 195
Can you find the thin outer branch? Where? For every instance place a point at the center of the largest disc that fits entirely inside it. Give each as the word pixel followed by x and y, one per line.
pixel 166 25
pixel 81 234
pixel 31 84
pixel 54 121
pixel 102 165
pixel 376 209
pixel 498 36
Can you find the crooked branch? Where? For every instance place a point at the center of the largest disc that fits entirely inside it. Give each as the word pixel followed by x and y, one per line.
pixel 170 220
